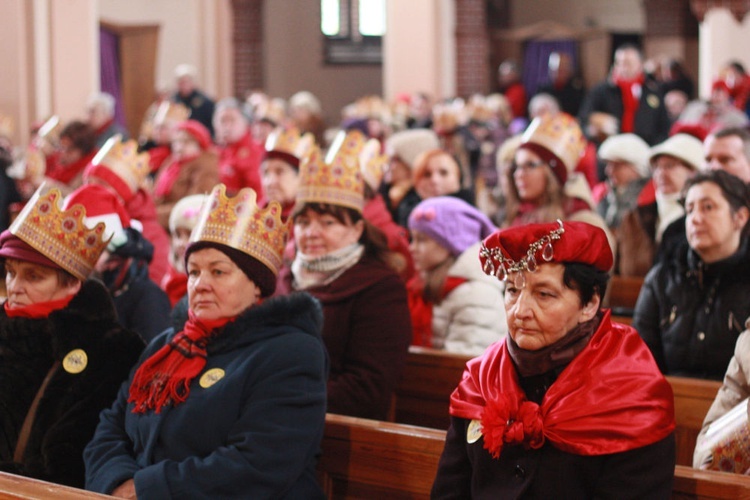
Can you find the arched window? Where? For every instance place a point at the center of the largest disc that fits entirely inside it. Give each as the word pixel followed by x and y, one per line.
pixel 352 30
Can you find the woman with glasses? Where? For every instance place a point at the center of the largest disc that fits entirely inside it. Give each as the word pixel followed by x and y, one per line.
pixel 541 184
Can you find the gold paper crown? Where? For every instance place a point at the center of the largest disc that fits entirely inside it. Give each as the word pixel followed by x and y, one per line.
pixel 372 163
pixel 60 235
pixel 337 178
pixel 169 110
pixel 289 141
pixel 238 223
pixel 560 135
pixel 272 111
pixel 120 164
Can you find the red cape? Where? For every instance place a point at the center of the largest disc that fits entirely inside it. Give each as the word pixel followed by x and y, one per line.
pixel 611 398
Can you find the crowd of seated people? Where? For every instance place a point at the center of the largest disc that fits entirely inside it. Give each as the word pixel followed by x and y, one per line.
pixel 239 238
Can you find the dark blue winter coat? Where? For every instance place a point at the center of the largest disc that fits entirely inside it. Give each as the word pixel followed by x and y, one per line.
pixel 254 433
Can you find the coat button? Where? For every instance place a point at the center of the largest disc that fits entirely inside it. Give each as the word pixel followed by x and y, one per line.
pixel 520 472
pixel 701 336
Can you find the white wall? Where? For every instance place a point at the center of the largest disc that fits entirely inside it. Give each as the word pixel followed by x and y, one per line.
pixel 191 31
pixel 722 39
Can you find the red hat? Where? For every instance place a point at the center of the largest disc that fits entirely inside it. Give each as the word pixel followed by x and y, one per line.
pixel 13 247
pixel 720 85
pixel 102 205
pixel 524 248
pixel 198 131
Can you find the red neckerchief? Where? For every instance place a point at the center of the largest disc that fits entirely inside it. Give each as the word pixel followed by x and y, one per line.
pixel 611 398
pixel 38 310
pixel 629 102
pixel 66 173
pixel 164 378
pixel 421 310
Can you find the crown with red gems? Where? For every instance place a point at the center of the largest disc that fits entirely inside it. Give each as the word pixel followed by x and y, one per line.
pixel 121 166
pixel 337 178
pixel 239 223
pixel 60 235
pixel 289 145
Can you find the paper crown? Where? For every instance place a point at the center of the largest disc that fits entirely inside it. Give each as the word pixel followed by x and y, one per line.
pixel 560 136
pixel 120 165
pixel 238 223
pixel 372 163
pixel 337 178
pixel 289 145
pixel 169 110
pixel 60 235
pixel 272 111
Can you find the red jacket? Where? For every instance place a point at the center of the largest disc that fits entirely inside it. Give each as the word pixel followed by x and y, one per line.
pixel 377 214
pixel 239 166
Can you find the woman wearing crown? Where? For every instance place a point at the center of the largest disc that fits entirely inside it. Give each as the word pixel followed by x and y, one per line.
pixel 234 404
pixel 63 354
pixel 569 404
pixel 343 261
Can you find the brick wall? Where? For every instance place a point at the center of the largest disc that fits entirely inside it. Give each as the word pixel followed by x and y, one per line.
pixel 472 48
pixel 670 18
pixel 247 37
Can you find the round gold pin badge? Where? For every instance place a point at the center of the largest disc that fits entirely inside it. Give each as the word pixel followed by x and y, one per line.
pixel 474 432
pixel 211 377
pixel 75 361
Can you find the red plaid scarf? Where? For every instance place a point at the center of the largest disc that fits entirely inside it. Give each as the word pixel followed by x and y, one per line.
pixel 164 378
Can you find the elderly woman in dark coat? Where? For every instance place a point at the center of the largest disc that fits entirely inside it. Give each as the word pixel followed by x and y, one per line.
pixel 344 262
pixel 61 347
pixel 569 404
pixel 234 404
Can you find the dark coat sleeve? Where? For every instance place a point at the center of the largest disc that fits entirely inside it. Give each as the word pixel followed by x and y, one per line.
pixel 647 316
pixel 378 341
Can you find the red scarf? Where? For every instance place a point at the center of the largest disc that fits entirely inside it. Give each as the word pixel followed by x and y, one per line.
pixel 629 102
pixel 38 310
pixel 611 398
pixel 164 378
pixel 421 309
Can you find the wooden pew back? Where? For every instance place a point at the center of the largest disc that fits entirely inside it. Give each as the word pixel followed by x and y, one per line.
pixel 19 487
pixel 369 459
pixel 692 399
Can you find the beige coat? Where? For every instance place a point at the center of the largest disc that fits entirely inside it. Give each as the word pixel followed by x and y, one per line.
pixel 735 388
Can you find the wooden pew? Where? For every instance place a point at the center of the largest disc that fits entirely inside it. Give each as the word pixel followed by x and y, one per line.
pixel 19 487
pixel 692 399
pixel 370 459
pixel 622 294
pixel 430 375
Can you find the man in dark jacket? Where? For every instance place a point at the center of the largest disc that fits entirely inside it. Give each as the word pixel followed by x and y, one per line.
pixel 628 96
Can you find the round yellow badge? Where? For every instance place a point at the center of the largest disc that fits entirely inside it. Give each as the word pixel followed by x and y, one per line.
pixel 211 377
pixel 474 432
pixel 75 361
pixel 653 101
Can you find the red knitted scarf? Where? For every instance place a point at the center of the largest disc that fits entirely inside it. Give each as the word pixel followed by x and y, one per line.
pixel 164 378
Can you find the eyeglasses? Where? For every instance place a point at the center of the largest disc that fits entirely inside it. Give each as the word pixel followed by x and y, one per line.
pixel 528 166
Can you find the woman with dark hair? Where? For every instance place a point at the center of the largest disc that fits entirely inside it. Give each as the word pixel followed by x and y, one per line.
pixel 76 149
pixel 62 353
pixel 570 404
pixel 692 309
pixel 343 261
pixel 233 405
